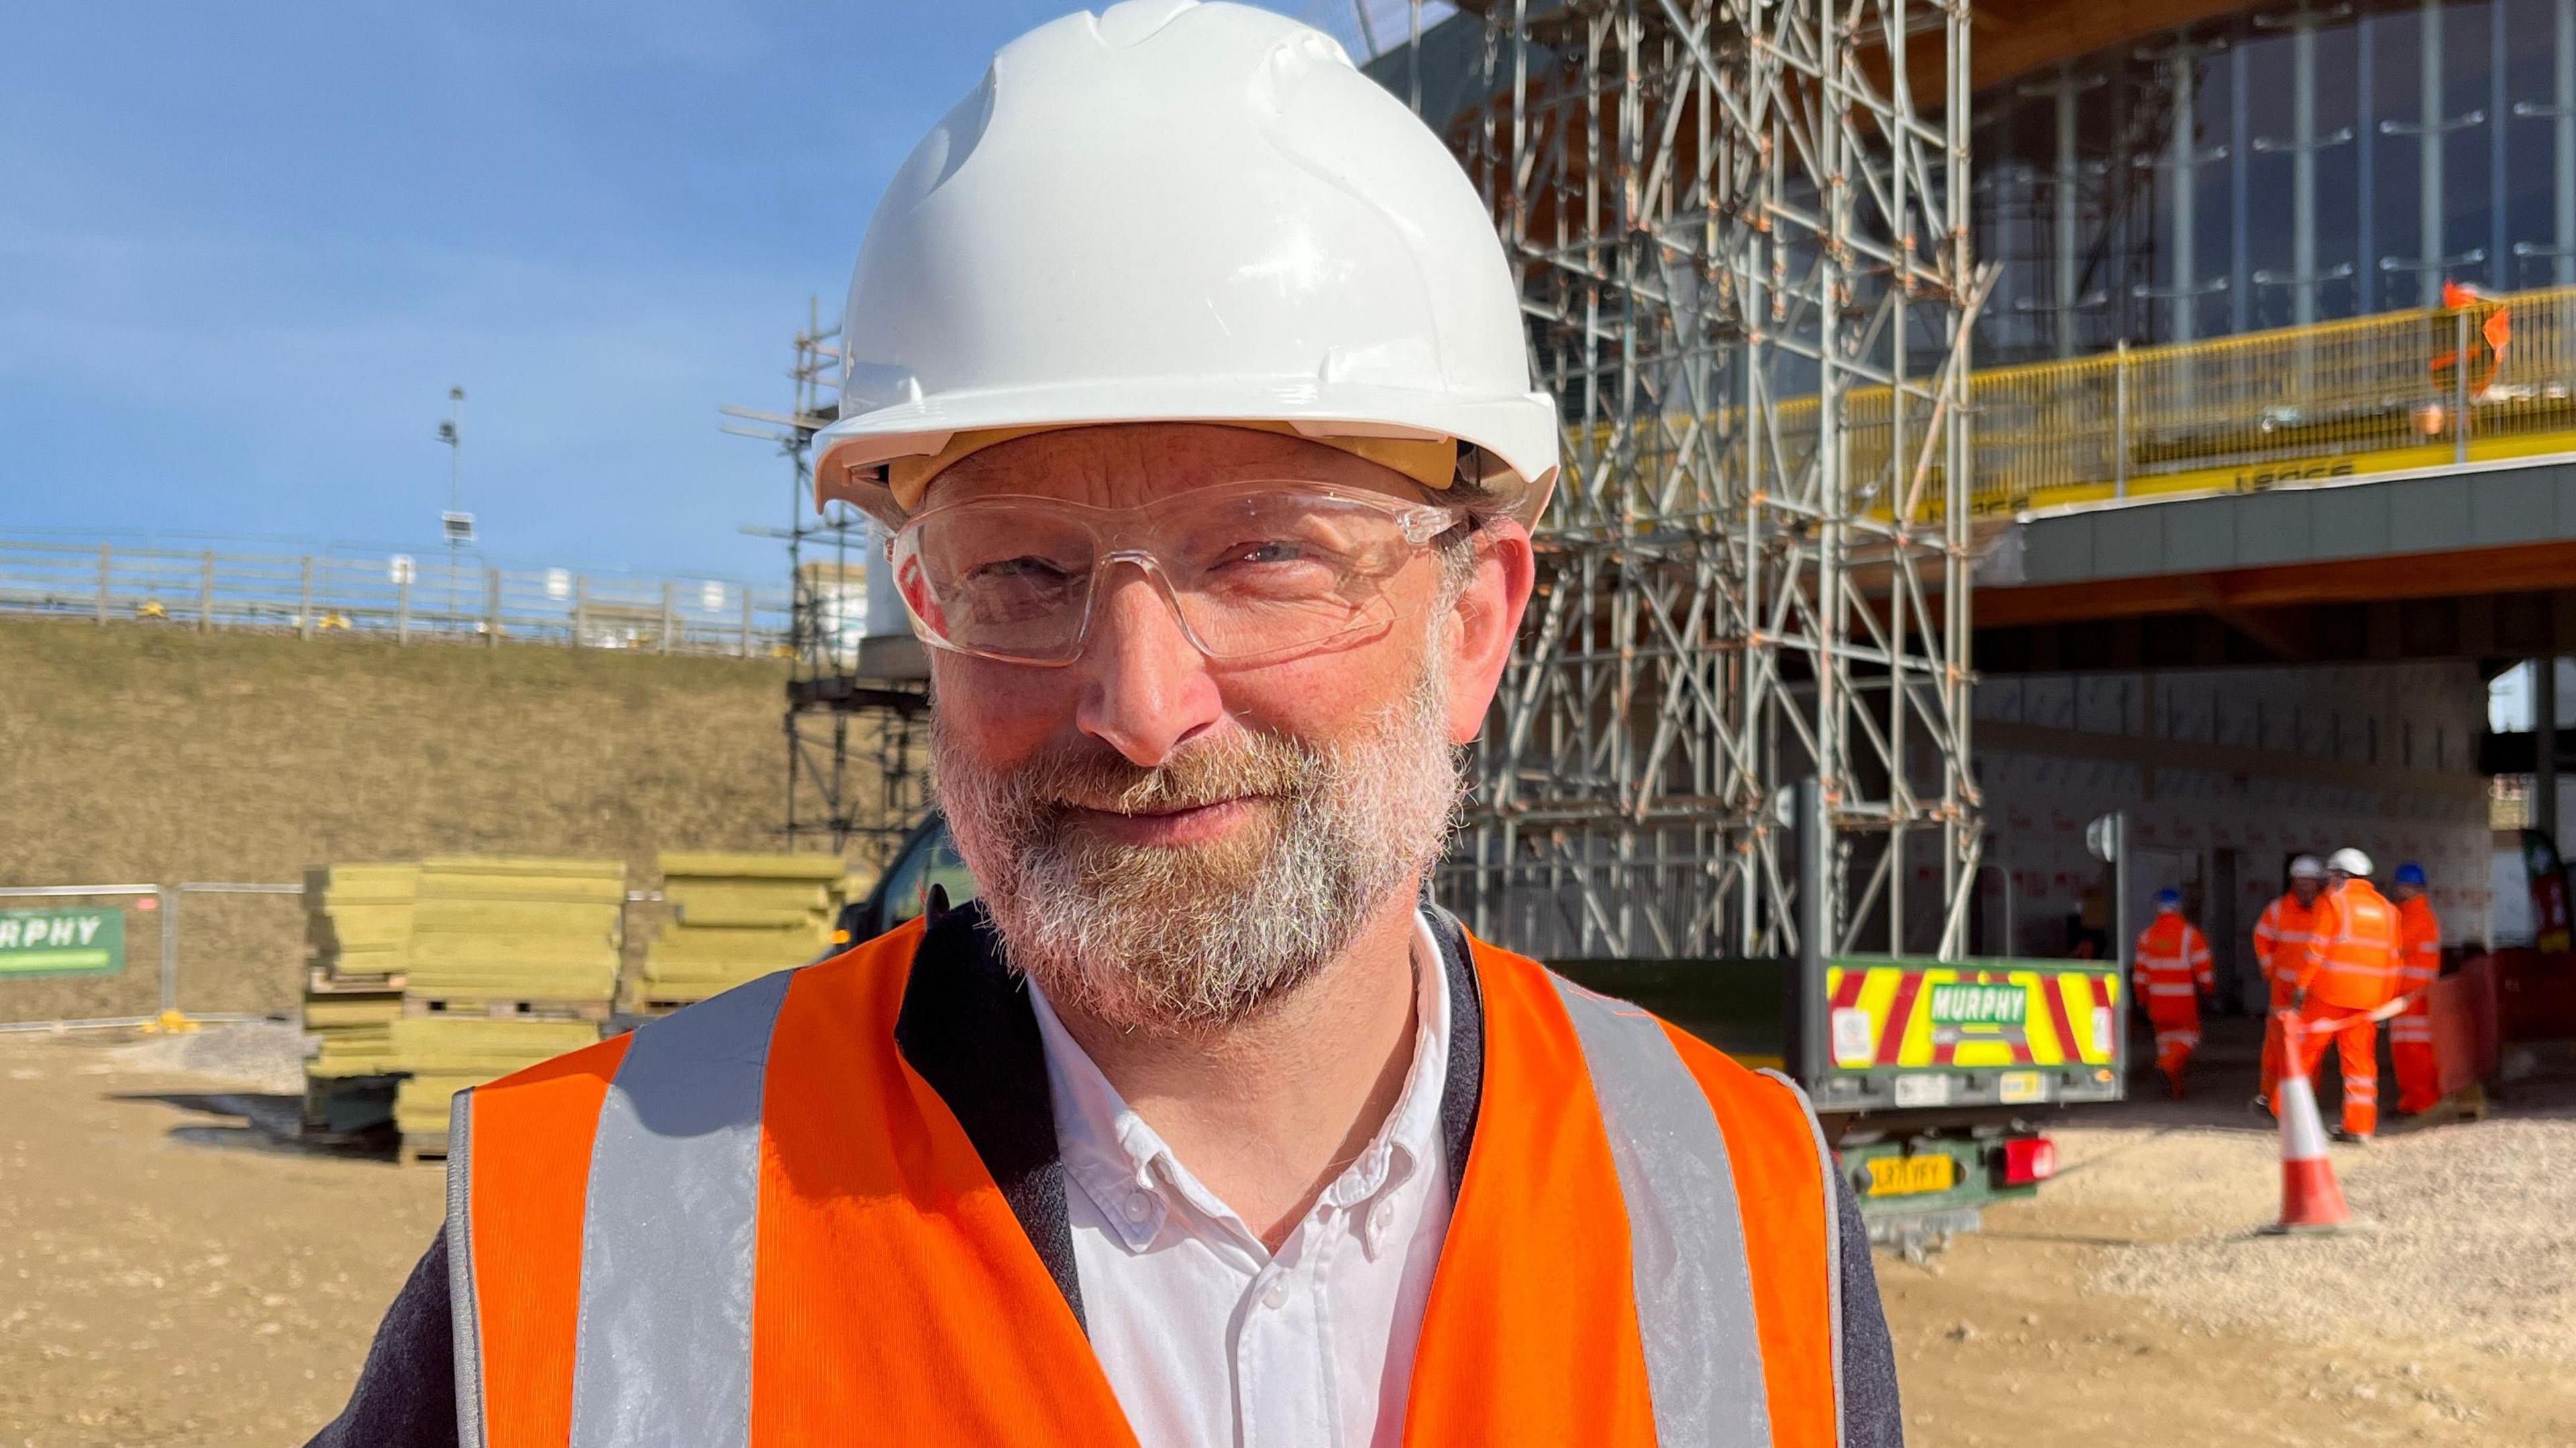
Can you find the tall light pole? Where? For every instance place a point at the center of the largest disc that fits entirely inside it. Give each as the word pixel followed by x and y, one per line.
pixel 455 523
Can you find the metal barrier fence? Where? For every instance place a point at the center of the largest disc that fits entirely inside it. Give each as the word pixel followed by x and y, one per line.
pixel 163 903
pixel 396 595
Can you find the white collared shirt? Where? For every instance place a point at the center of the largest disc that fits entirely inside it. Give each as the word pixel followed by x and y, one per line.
pixel 1209 1340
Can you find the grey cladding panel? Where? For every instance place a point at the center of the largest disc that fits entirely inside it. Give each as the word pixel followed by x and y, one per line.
pixel 2516 507
pixel 2270 527
pixel 2348 523
pixel 2128 542
pixel 2198 536
pixel 2502 507
pixel 2429 513
pixel 2058 550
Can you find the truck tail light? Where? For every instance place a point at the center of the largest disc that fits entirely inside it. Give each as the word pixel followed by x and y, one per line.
pixel 2029 1159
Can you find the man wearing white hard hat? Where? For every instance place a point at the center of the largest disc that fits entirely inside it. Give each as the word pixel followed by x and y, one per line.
pixel 1186 374
pixel 2280 947
pixel 2348 970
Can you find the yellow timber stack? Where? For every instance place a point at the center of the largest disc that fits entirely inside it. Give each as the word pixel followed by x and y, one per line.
pixel 736 918
pixel 358 922
pixel 508 961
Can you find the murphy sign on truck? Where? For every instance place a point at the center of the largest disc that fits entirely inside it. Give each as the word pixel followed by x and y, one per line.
pixel 1950 1033
pixel 61 942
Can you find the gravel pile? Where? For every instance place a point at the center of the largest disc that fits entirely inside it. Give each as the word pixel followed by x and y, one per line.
pixel 265 1055
pixel 2469 1235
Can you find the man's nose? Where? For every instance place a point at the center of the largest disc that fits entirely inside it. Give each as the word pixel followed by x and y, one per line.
pixel 1146 687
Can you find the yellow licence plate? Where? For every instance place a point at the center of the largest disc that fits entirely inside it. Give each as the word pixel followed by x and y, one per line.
pixel 1904 1176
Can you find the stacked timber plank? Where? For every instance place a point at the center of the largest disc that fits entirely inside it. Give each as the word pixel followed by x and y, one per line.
pixel 509 931
pixel 507 962
pixel 735 918
pixel 358 921
pixel 442 1055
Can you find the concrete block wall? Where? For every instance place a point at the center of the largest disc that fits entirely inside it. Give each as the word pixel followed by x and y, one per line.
pixel 2193 828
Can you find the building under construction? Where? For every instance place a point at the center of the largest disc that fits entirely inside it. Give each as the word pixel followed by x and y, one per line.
pixel 1997 415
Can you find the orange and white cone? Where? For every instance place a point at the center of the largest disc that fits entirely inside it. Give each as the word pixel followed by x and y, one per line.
pixel 2311 1200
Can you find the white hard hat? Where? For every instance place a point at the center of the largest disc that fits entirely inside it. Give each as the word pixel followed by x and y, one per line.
pixel 2307 867
pixel 2349 861
pixel 1176 211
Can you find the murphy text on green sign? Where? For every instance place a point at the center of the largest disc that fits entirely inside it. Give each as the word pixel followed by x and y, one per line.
pixel 61 942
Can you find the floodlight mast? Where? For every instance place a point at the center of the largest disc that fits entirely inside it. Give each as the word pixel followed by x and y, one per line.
pixel 455 525
pixel 1743 253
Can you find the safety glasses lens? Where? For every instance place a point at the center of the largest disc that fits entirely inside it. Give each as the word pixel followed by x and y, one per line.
pixel 1251 571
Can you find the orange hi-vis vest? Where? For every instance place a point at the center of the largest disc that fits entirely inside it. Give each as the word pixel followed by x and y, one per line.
pixel 2351 959
pixel 755 1224
pixel 2419 964
pixel 2281 942
pixel 2172 966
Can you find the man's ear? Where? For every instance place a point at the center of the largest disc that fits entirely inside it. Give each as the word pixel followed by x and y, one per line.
pixel 1488 618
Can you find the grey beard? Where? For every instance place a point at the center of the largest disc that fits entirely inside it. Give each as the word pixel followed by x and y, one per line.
pixel 1166 940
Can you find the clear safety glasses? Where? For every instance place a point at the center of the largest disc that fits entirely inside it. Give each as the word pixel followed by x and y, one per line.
pixel 1251 569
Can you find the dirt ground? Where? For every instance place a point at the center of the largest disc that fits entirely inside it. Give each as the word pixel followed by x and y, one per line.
pixel 172 1273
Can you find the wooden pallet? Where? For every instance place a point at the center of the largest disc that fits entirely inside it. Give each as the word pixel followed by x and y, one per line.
pixel 505 1010
pixel 318 981
pixel 420 1146
pixel 346 1105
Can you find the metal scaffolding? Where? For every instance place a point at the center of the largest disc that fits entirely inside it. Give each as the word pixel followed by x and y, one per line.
pixel 1743 244
pixel 857 746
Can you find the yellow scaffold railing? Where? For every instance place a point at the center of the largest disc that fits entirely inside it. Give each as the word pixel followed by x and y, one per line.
pixel 2371 395
pixel 2374 394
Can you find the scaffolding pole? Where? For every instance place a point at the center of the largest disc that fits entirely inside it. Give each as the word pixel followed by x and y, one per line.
pixel 1742 240
pixel 857 749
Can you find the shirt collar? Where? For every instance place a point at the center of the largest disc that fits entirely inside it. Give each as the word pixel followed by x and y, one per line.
pixel 1132 1174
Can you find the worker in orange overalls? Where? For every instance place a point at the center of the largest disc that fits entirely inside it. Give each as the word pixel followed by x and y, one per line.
pixel 2419 961
pixel 2172 972
pixel 2280 943
pixel 2348 971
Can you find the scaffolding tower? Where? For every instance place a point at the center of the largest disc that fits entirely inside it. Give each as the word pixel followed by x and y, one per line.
pixel 858 735
pixel 1741 233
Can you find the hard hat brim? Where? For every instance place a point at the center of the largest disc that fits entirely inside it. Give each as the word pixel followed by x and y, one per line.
pixel 1518 431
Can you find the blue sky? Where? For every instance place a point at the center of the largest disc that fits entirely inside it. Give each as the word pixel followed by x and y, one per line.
pixel 245 250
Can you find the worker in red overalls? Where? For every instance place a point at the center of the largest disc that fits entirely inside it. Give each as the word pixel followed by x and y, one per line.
pixel 2419 962
pixel 2171 974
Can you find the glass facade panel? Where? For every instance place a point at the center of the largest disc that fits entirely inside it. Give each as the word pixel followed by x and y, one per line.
pixel 2301 162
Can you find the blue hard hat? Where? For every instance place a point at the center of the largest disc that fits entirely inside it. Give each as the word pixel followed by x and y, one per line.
pixel 2168 899
pixel 2409 873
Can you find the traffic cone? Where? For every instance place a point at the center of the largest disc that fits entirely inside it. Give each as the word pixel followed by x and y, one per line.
pixel 2311 1200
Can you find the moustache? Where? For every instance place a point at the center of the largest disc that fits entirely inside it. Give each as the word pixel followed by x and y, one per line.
pixel 1093 776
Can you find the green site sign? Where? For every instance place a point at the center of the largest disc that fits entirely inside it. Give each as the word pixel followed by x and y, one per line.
pixel 1979 1005
pixel 61 942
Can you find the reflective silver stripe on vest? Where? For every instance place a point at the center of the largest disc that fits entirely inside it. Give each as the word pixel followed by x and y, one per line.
pixel 464 1313
pixel 1831 1172
pixel 1692 1280
pixel 663 1355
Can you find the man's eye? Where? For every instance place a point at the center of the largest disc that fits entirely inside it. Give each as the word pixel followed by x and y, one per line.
pixel 1019 570
pixel 1269 551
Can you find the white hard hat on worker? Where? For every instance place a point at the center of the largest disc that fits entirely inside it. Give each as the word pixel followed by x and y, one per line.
pixel 1182 212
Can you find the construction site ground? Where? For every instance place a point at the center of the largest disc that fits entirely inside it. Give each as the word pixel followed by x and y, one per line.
pixel 174 1269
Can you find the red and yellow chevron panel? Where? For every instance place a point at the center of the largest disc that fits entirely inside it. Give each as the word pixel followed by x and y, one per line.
pixel 1968 1015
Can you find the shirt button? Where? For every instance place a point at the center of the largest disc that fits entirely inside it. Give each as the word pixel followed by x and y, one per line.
pixel 1138 1207
pixel 1277 1296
